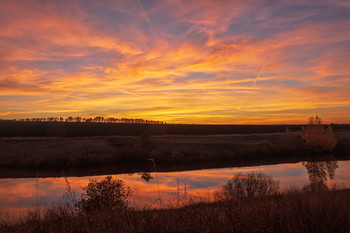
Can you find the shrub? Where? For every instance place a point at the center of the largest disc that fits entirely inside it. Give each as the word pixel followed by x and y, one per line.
pixel 106 195
pixel 254 184
pixel 145 139
pixel 318 136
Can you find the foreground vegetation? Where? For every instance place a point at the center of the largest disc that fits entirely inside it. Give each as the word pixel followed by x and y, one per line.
pixel 265 211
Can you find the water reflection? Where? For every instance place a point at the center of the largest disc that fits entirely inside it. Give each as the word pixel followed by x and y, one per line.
pixel 17 194
pixel 146 176
pixel 317 172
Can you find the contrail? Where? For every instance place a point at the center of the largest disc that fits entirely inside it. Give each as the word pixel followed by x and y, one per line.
pixel 262 68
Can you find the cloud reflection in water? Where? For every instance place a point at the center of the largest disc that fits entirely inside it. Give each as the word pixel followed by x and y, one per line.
pixel 19 194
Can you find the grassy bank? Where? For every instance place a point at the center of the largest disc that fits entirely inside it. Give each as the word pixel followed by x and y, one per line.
pixel 36 153
pixel 293 211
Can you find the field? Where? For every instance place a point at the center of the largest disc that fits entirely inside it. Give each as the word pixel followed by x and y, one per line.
pixel 172 152
pixel 88 129
pixel 122 150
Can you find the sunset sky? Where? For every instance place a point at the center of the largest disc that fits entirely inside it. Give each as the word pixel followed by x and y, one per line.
pixel 190 61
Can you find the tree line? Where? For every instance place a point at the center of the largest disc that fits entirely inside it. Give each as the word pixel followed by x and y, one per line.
pixel 97 119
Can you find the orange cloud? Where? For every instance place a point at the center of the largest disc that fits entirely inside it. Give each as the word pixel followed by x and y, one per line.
pixel 176 61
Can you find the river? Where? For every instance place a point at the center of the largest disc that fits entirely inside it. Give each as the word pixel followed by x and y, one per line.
pixel 164 189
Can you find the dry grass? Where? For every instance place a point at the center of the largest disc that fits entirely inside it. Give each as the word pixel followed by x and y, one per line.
pixel 38 152
pixel 294 211
pixel 70 152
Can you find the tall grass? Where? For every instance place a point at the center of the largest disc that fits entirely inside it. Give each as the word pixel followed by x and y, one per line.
pixel 292 211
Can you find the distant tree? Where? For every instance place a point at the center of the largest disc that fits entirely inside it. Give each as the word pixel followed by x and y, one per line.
pixel 319 136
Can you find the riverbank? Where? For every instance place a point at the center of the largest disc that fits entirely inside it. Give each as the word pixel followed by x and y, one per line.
pixel 293 211
pixel 168 151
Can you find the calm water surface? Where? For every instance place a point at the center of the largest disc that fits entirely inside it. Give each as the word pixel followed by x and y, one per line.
pixel 17 195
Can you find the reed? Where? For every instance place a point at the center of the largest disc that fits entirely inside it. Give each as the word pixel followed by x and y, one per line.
pixel 292 211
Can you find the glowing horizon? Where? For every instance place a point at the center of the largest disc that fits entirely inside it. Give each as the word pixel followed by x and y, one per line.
pixel 216 62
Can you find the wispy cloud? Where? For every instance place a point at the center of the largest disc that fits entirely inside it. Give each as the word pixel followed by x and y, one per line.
pixel 180 61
